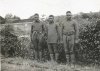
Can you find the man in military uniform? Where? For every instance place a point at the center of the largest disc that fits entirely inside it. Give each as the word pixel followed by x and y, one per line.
pixel 52 37
pixel 37 30
pixel 70 36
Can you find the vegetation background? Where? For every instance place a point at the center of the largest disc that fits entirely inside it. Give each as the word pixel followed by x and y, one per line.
pixel 15 37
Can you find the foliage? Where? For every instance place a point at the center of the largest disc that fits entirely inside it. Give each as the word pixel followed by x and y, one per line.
pixel 9 42
pixel 85 16
pixel 89 35
pixel 90 15
pixel 2 20
pixel 90 42
pixel 11 18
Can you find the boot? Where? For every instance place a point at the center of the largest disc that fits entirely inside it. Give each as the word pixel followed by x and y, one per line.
pixel 51 56
pixel 56 57
pixel 40 56
pixel 36 55
pixel 72 58
pixel 68 59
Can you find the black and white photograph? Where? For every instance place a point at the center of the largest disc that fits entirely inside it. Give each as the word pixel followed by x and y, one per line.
pixel 50 35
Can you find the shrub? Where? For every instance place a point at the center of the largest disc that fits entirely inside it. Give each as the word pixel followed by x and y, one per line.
pixel 90 42
pixel 9 42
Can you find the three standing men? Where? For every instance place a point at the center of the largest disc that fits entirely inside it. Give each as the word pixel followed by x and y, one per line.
pixel 68 33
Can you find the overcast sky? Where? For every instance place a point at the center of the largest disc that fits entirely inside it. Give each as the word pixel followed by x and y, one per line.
pixel 26 8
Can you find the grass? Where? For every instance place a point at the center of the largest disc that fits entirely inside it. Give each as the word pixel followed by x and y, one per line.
pixel 20 64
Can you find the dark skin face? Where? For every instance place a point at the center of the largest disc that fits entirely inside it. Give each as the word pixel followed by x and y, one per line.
pixel 36 18
pixel 51 20
pixel 68 16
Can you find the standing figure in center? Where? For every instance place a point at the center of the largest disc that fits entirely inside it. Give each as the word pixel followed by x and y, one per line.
pixel 53 35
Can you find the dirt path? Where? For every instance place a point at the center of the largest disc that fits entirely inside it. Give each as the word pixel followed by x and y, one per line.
pixel 19 64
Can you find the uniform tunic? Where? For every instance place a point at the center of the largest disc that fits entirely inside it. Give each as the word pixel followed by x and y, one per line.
pixel 70 27
pixel 37 27
pixel 52 33
pixel 60 32
pixel 52 30
pixel 70 33
pixel 36 34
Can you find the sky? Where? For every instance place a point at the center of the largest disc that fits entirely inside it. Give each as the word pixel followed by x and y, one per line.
pixel 26 8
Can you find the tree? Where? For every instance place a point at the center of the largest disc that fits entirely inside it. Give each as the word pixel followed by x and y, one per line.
pixel 11 18
pixel 9 41
pixel 84 16
pixel 2 20
pixel 8 16
pixel 16 17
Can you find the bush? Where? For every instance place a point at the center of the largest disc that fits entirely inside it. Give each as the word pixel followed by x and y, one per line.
pixel 90 42
pixel 25 50
pixel 9 42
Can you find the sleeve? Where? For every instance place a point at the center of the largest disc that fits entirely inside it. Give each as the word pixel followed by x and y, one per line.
pixel 57 30
pixel 62 25
pixel 62 28
pixel 31 28
pixel 31 32
pixel 76 27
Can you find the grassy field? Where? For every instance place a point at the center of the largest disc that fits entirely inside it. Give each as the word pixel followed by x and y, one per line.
pixel 19 64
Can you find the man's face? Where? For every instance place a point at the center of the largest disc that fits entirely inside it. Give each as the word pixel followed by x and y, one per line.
pixel 51 19
pixel 36 17
pixel 69 16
